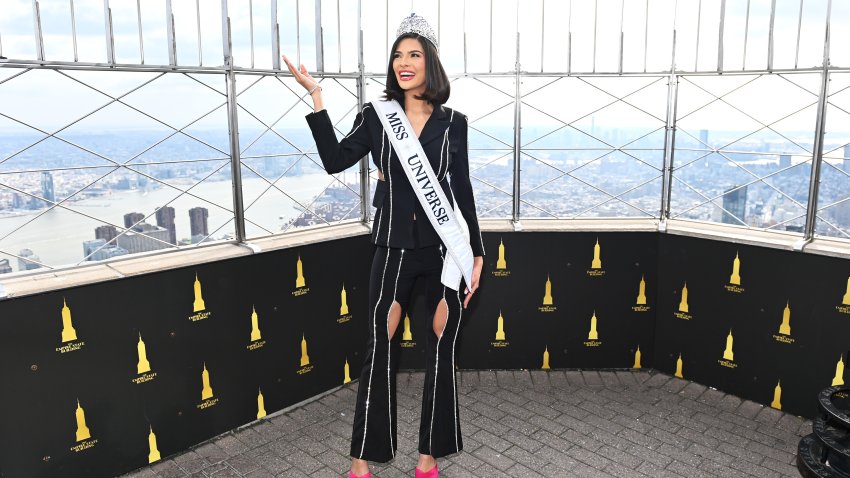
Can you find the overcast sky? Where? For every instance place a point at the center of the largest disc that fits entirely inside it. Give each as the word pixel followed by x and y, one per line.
pixel 554 35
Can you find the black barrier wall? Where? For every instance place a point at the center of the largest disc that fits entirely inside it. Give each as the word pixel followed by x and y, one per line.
pixel 105 378
pixel 767 325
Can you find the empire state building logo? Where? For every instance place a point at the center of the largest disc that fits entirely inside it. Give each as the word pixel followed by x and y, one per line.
pixel 300 282
pixel 199 307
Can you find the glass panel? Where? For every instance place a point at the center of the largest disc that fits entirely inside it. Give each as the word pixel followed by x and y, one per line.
pixel 599 157
pixel 833 216
pixel 608 35
pixel 687 30
pixel 743 158
pixel 660 47
pixel 709 35
pixel 839 34
pixel 162 145
pixel 490 140
pixel 16 30
pixel 634 30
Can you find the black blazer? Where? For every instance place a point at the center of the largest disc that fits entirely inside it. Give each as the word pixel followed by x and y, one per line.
pixel 444 139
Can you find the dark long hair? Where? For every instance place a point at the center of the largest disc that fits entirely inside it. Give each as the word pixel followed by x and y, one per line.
pixel 437 87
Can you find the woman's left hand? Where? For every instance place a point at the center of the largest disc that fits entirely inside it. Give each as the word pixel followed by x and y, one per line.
pixel 477 265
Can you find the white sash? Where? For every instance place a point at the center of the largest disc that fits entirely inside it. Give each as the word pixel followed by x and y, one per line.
pixel 448 222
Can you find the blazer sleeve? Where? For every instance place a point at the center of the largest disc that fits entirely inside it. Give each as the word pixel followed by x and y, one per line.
pixel 339 155
pixel 462 190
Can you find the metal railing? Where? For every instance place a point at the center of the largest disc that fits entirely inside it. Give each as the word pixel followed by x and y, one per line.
pixel 637 51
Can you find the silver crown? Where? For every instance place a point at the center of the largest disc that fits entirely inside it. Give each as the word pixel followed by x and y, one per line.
pixel 418 25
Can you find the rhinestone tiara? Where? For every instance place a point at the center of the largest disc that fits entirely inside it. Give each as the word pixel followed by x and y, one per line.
pixel 418 25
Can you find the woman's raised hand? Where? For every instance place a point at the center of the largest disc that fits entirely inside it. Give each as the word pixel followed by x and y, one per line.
pixel 303 77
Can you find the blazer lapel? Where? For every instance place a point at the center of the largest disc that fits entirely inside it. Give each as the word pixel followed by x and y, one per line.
pixel 435 126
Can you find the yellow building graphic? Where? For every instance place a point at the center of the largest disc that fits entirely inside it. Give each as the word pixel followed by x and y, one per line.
pixel 407 335
pixel 545 358
pixel 641 298
pixel 735 278
pixel 597 256
pixel 785 326
pixel 679 366
pixel 343 308
pixel 143 365
pixel 255 326
pixel 206 391
pixel 728 354
pixel 261 405
pixel 305 359
pixel 153 455
pixel 199 299
pixel 346 373
pixel 299 270
pixel 683 304
pixel 593 334
pixel 83 432
pixel 69 334
pixel 777 396
pixel 547 296
pixel 500 328
pixel 637 358
pixel 839 372
pixel 501 263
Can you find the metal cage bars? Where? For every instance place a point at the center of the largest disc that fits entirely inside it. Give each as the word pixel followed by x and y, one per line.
pixel 230 69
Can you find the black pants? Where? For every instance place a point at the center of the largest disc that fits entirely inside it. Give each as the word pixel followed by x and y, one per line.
pixel 394 272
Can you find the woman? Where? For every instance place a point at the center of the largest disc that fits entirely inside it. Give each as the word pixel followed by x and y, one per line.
pixel 407 245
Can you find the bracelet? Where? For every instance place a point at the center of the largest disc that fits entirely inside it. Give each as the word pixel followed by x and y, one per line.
pixel 318 86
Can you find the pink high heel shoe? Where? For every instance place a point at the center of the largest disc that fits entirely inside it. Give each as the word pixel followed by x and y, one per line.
pixel 432 473
pixel 352 475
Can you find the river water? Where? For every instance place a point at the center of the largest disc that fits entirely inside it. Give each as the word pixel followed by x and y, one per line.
pixel 57 236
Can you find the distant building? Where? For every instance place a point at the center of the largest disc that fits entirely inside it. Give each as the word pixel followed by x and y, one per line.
pixel 165 220
pixel 784 160
pixel 845 165
pixel 18 201
pixel 107 233
pixel 198 223
pixel 98 250
pixel 735 202
pixel 27 260
pixel 47 191
pixel 133 218
pixel 703 137
pixel 5 268
pixel 143 238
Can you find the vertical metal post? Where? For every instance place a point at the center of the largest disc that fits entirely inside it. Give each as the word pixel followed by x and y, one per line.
pixel 297 33
pixel 542 32
pixel 622 36
pixel 464 37
pixel 746 36
pixel 570 40
pixel 817 153
pixel 110 36
pixel 799 28
pixel 491 37
pixel 645 35
pixel 770 37
pixel 141 36
pixel 669 147
pixel 251 28
pixel 233 125
pixel 320 44
pixel 338 38
pixel 720 35
pixel 200 48
pixel 595 24
pixel 39 39
pixel 73 32
pixel 699 24
pixel 275 37
pixel 365 210
pixel 172 42
pixel 517 139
